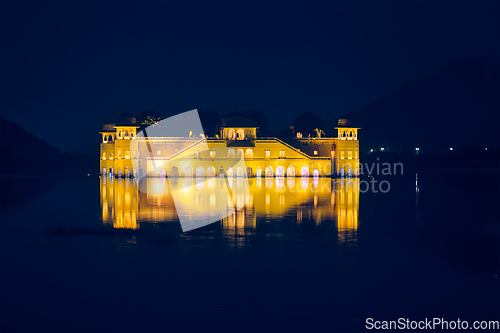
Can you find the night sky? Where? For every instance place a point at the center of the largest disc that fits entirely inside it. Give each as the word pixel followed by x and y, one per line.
pixel 68 67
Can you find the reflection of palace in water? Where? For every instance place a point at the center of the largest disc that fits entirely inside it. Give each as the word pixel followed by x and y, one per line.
pixel 298 199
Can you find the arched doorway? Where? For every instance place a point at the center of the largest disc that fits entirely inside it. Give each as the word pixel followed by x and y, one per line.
pixel 269 171
pixel 200 172
pixel 259 172
pixel 163 173
pixel 304 172
pixel 316 173
pixel 174 172
pixel 350 172
pixel 127 173
pixel 111 172
pixel 239 172
pixel 280 171
pixel 290 171
pixel 249 172
pixel 188 172
pixel 210 172
pixel 230 172
pixel 104 171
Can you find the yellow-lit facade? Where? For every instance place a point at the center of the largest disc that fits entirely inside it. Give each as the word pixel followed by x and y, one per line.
pixel 264 157
pixel 116 155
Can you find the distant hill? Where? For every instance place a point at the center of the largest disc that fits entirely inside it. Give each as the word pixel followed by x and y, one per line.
pixel 21 150
pixel 458 107
pixel 17 144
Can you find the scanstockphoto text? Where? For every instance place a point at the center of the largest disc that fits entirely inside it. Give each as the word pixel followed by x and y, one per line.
pixel 431 324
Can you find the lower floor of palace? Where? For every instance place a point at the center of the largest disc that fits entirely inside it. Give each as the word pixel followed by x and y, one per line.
pixel 320 167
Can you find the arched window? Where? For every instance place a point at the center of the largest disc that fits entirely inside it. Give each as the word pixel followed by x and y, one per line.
pixel 239 154
pixel 110 138
pixel 120 133
pixel 131 134
pixel 188 172
pixel 343 134
pixel 239 172
pixel 315 173
pixel 350 134
pixel 174 172
pixel 230 154
pixel 290 172
pixel 200 172
pixel 230 134
pixel 249 154
pixel 241 134
pixel 230 172
pixel 126 133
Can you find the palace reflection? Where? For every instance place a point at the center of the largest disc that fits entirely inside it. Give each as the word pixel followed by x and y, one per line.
pixel 125 204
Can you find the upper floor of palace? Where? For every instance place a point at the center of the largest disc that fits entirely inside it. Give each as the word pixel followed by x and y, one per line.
pixel 236 131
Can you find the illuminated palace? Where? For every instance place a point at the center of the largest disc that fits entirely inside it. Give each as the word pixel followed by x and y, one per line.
pixel 121 154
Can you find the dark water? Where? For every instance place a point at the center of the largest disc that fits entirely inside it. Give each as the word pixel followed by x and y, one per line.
pixel 78 254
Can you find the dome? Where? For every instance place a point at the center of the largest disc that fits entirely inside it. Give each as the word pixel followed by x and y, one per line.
pixel 347 120
pixel 238 122
pixel 108 127
pixel 126 119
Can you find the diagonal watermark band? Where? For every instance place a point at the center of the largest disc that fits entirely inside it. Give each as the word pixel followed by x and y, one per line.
pixel 177 147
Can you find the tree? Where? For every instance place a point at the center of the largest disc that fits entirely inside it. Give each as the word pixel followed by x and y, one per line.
pixel 209 121
pixel 258 118
pixel 308 123
pixel 147 118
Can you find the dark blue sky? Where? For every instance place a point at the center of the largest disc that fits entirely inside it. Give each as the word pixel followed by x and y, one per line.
pixel 67 67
